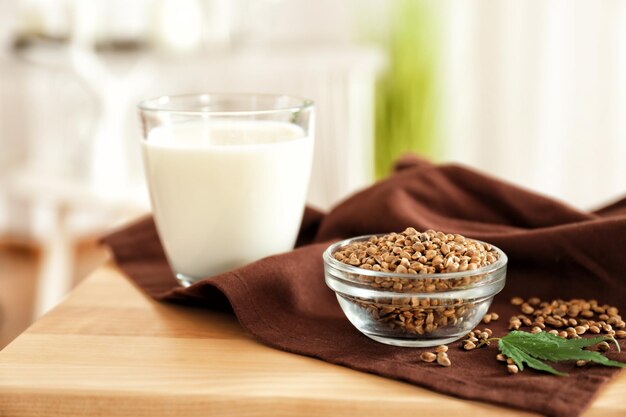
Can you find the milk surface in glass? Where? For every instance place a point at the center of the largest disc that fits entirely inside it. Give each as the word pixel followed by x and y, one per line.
pixel 226 193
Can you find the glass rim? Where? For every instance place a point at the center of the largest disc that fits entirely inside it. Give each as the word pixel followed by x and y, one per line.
pixel 160 104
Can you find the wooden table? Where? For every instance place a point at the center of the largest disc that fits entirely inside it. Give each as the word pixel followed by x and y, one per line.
pixel 107 350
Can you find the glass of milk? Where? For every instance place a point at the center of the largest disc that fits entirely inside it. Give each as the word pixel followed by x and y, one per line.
pixel 228 177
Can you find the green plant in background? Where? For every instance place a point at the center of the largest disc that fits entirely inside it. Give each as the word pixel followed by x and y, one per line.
pixel 406 95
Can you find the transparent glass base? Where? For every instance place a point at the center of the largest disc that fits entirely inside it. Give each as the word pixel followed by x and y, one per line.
pixel 413 342
pixel 185 280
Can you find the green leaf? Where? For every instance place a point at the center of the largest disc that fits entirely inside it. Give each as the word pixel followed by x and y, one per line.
pixel 520 357
pixel 531 348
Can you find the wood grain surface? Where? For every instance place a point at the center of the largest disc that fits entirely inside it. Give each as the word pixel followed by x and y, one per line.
pixel 107 350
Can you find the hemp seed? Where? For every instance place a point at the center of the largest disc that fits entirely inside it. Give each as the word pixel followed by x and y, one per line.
pixel 428 357
pixel 469 345
pixel 443 360
pixel 441 349
pixel 517 301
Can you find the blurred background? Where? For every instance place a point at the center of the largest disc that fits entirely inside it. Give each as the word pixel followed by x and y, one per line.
pixel 530 91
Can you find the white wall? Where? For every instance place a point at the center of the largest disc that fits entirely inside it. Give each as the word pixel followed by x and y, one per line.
pixel 535 92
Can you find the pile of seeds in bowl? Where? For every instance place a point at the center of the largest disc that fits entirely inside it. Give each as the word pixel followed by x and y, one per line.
pixel 412 253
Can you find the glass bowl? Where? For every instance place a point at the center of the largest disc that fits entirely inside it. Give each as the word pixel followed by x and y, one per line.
pixel 413 310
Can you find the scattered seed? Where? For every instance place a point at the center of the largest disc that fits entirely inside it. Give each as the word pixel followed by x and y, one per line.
pixel 620 334
pixel 441 349
pixel 444 361
pixel 603 346
pixel 469 345
pixel 576 315
pixel 581 363
pixel 517 301
pixel 428 357
pixel 512 368
pixel 501 357
pixel 510 361
pixel 535 330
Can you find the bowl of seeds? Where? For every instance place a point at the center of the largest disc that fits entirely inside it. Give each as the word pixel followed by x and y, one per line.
pixel 414 288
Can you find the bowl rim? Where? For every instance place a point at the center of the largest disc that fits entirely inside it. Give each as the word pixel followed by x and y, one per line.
pixel 330 260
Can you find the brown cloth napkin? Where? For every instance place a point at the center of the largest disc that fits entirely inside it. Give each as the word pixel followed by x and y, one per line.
pixel 555 251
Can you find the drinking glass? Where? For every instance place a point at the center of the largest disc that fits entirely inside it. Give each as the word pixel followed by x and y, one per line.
pixel 228 176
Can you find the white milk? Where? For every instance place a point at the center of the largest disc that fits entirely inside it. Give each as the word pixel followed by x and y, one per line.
pixel 226 193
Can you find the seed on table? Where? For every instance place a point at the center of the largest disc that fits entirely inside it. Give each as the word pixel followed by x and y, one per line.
pixel 620 334
pixel 553 322
pixel 535 330
pixel 443 360
pixel 469 345
pixel 603 317
pixel 527 308
pixel 563 334
pixel 517 301
pixel 533 301
pixel 587 313
pixel 580 329
pixel 510 361
pixel 428 357
pixel 488 331
pixel 512 369
pixel 603 346
pixel 594 329
pixel 554 332
pixel 527 321
pixel 581 363
pixel 501 357
pixel 514 324
pixel 441 348
pixel 487 319
pixel 494 316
